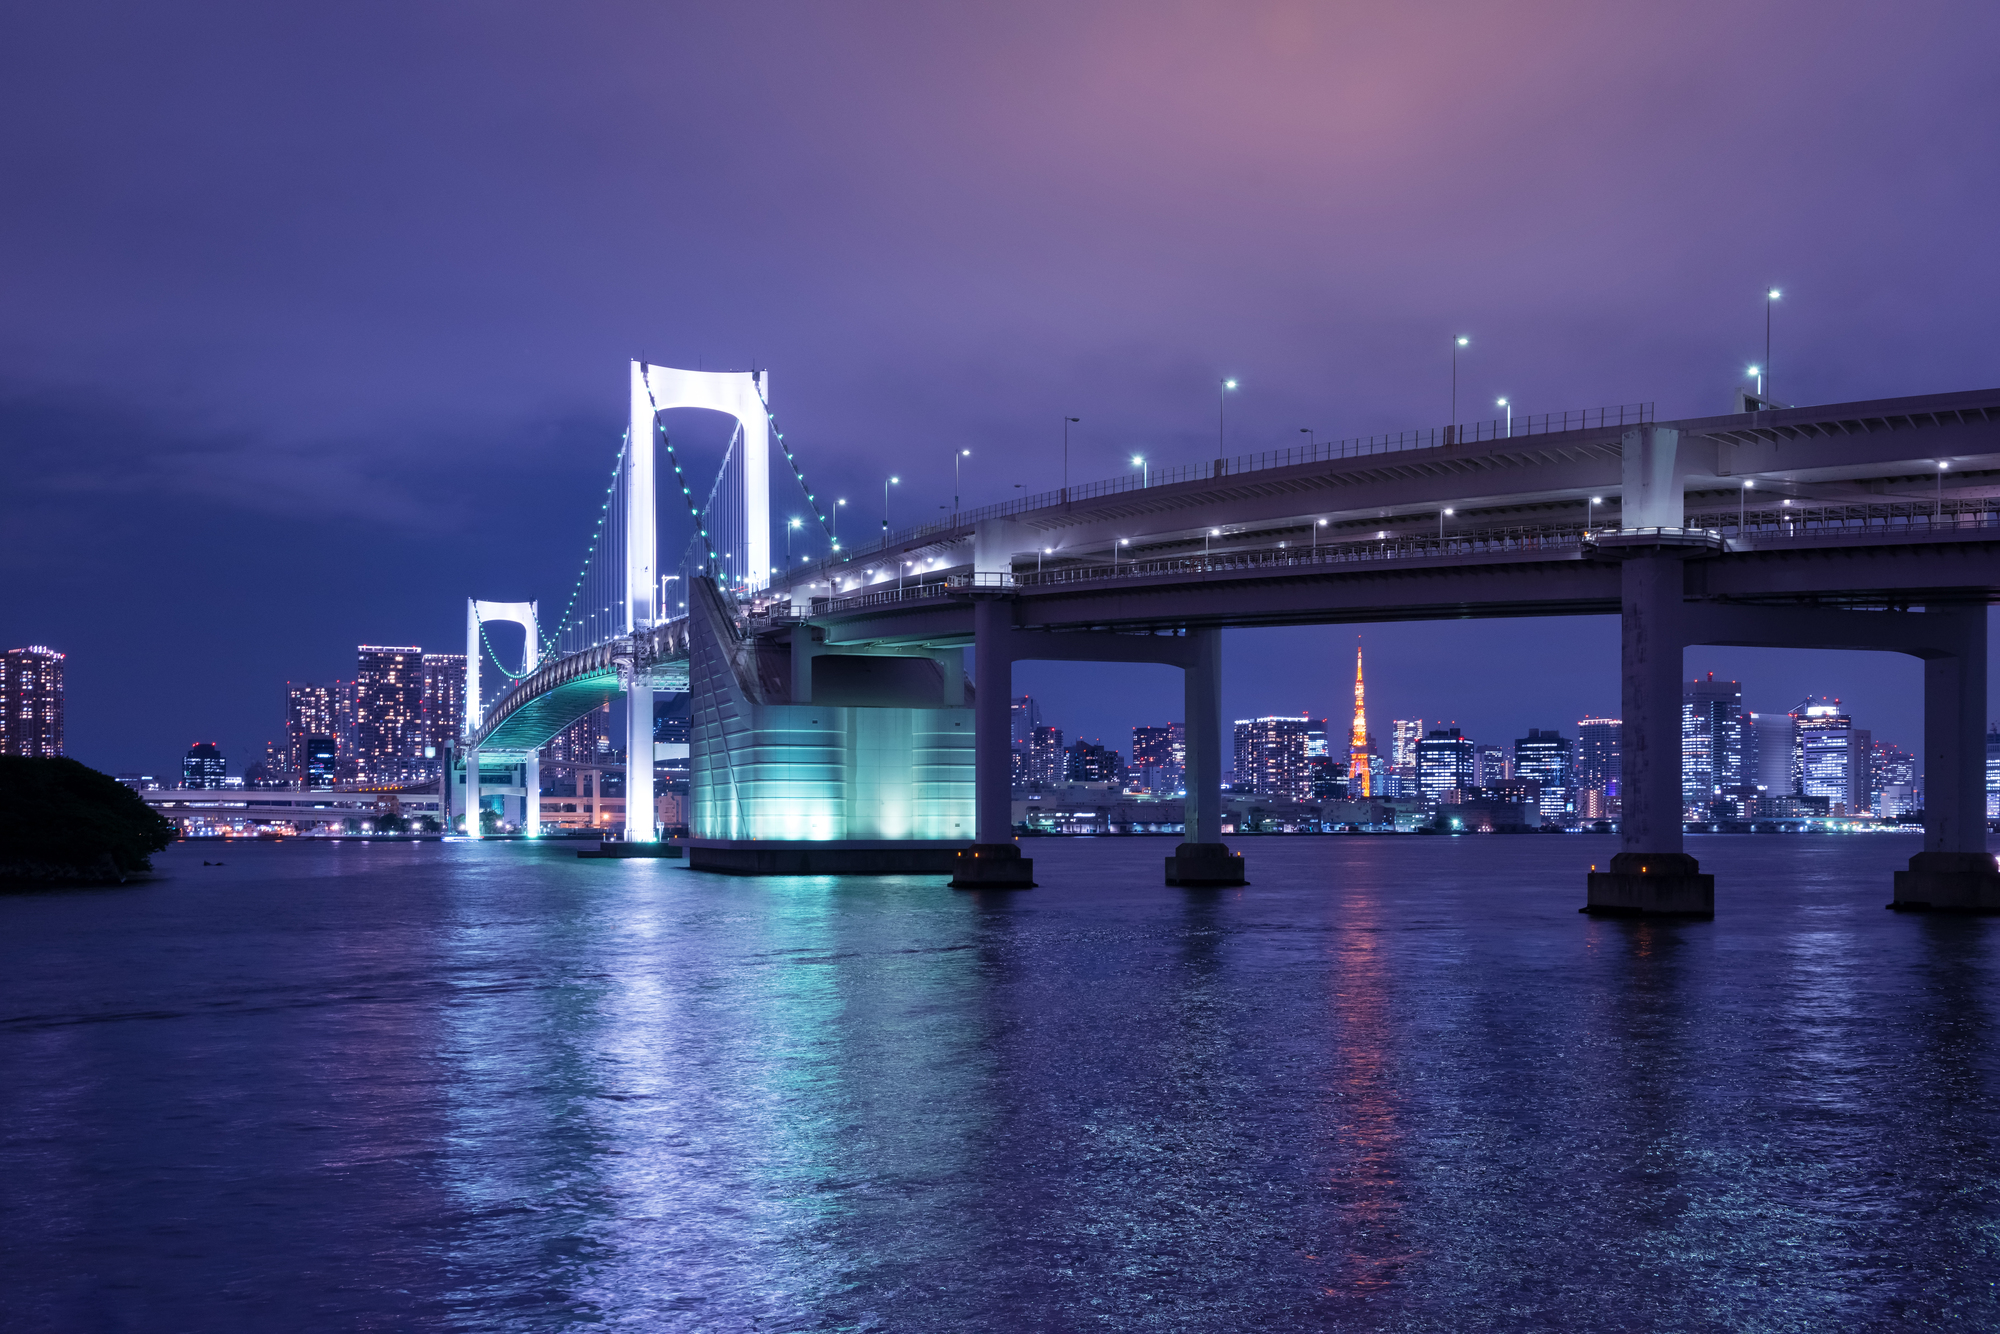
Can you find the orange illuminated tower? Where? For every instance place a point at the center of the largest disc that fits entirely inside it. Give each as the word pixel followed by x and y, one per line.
pixel 1359 749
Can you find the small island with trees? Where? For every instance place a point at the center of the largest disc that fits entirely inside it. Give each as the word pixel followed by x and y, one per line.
pixel 64 823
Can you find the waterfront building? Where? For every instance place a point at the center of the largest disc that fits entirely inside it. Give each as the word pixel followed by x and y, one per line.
pixel 1046 767
pixel 1993 772
pixel 443 706
pixel 321 763
pixel 1159 757
pixel 203 766
pixel 1271 756
pixel 1024 715
pixel 1444 765
pixel 1404 734
pixel 1711 741
pixel 310 711
pixel 1544 756
pixel 388 714
pixel 1824 755
pixel 31 702
pixel 1768 754
pixel 1599 766
pixel 1489 765
pixel 1091 762
pixel 1364 766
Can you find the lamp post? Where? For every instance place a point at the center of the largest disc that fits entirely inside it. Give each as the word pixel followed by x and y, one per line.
pixel 1510 417
pixel 1213 532
pixel 1146 470
pixel 956 459
pixel 893 481
pixel 1758 371
pixel 1770 297
pixel 1312 440
pixel 1221 410
pixel 836 523
pixel 1942 465
pixel 1315 532
pixel 1441 517
pixel 790 528
pixel 1743 506
pixel 1121 542
pixel 1456 344
pixel 1066 422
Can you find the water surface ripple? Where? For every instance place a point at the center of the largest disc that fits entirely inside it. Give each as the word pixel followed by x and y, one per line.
pixel 1395 1084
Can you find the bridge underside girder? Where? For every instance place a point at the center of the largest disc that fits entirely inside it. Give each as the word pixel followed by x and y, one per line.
pixel 534 723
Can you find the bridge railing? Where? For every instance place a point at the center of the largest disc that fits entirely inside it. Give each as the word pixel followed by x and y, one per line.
pixel 1523 425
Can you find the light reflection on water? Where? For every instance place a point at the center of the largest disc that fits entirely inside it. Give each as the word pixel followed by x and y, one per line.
pixel 1394 1084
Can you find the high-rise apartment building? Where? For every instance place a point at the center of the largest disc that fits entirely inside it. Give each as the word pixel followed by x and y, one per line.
pixel 321 763
pixel 1159 757
pixel 1404 734
pixel 203 766
pixel 1024 715
pixel 388 714
pixel 1271 756
pixel 585 741
pixel 31 702
pixel 1046 764
pixel 1711 741
pixel 443 705
pixel 1600 764
pixel 1444 764
pixel 310 711
pixel 1489 765
pixel 1544 757
pixel 1091 762
pixel 1768 753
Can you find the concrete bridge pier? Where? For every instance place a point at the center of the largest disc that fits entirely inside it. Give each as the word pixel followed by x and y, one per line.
pixel 994 860
pixel 1203 858
pixel 472 825
pixel 531 795
pixel 1954 872
pixel 1651 874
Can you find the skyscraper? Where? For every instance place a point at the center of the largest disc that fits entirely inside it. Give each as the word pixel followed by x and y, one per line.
pixel 1361 761
pixel 1023 717
pixel 1711 741
pixel 31 702
pixel 203 766
pixel 585 741
pixel 1489 765
pixel 1045 758
pixel 388 714
pixel 1444 764
pixel 309 712
pixel 1600 759
pixel 1823 754
pixel 321 763
pixel 1271 756
pixel 1544 757
pixel 1404 734
pixel 443 705
pixel 1091 762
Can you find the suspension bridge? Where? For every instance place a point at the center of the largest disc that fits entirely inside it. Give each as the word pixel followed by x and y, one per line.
pixel 834 727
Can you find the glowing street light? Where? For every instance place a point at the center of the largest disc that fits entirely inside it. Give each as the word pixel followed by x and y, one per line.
pixel 1221 409
pixel 1315 535
pixel 790 528
pixel 1441 518
pixel 1770 298
pixel 1213 532
pixel 1146 470
pixel 836 523
pixel 1743 504
pixel 956 459
pixel 1510 417
pixel 1457 343
pixel 893 481
pixel 1758 372
pixel 1942 466
pixel 1595 501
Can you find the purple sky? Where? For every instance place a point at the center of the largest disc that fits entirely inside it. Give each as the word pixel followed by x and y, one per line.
pixel 315 319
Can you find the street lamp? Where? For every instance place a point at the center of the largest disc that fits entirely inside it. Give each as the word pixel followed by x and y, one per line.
pixel 790 528
pixel 836 523
pixel 1221 407
pixel 1312 440
pixel 893 481
pixel 1146 470
pixel 1315 533
pixel 1066 422
pixel 1121 542
pixel 956 459
pixel 1758 371
pixel 1942 465
pixel 1441 517
pixel 1769 298
pixel 1743 504
pixel 1457 343
pixel 1213 532
pixel 1510 417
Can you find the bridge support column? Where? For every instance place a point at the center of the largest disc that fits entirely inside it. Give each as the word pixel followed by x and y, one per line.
pixel 640 824
pixel 1203 858
pixel 1954 872
pixel 1651 874
pixel 531 802
pixel 994 860
pixel 472 825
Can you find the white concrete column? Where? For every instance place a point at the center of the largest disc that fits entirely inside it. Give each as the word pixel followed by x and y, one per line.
pixel 992 721
pixel 531 804
pixel 1201 685
pixel 640 825
pixel 1650 479
pixel 1955 741
pixel 472 792
pixel 1650 662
